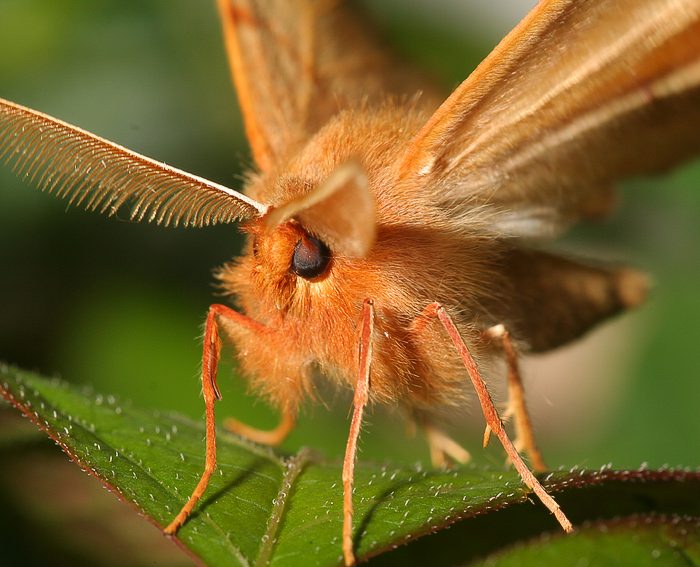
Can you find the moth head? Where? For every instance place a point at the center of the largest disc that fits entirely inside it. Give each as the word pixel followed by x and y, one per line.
pixel 296 245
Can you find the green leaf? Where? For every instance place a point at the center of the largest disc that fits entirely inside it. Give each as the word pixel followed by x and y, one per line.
pixel 264 508
pixel 642 541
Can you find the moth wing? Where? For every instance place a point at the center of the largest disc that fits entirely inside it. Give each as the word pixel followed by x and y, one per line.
pixel 295 63
pixel 101 175
pixel 580 94
pixel 554 300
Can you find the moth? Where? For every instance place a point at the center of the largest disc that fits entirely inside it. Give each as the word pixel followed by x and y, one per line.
pixel 394 237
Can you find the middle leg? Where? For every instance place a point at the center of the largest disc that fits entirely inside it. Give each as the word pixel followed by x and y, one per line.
pixel 271 437
pixel 517 408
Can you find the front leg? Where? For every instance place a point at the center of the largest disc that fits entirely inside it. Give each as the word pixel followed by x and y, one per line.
pixel 211 393
pixel 359 401
pixel 493 420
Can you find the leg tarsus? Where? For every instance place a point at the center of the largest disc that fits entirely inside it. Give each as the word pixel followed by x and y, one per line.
pixel 271 437
pixel 487 436
pixel 442 446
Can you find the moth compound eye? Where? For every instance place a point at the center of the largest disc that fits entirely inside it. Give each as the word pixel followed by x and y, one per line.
pixel 311 257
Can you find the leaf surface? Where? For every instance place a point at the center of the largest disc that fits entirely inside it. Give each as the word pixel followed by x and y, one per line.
pixel 264 508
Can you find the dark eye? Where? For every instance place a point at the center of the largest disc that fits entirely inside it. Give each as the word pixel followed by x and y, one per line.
pixel 311 257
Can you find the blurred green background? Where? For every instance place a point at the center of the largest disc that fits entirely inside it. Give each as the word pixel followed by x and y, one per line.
pixel 119 306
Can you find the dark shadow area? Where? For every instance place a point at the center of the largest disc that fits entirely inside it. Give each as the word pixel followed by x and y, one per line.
pixel 477 537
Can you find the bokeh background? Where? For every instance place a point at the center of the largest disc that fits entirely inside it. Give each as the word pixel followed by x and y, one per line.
pixel 119 306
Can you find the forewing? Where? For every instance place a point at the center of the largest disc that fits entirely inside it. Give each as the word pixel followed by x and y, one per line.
pixel 100 175
pixel 296 63
pixel 579 95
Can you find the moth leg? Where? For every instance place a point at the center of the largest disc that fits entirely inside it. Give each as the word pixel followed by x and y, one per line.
pixel 272 437
pixel 359 402
pixel 436 311
pixel 211 393
pixel 443 446
pixel 524 433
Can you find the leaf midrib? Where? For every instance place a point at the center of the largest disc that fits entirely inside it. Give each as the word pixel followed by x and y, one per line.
pixel 294 467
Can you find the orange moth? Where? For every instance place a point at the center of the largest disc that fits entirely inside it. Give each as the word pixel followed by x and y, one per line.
pixel 390 232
